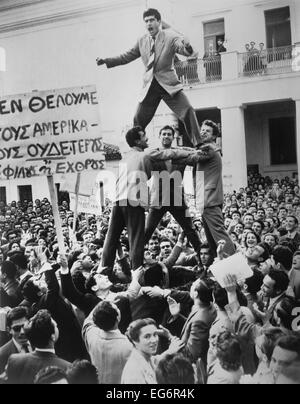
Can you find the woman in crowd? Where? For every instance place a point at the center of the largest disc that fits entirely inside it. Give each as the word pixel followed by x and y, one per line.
pixel 142 363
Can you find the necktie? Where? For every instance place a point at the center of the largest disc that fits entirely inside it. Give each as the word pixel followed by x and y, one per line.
pixel 25 348
pixel 150 65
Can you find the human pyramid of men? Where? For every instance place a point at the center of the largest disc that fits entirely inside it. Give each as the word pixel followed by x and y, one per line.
pixel 134 300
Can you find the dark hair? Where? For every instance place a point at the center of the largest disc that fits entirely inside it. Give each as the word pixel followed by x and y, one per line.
pixel 134 330
pixel 31 291
pixel 155 237
pixel 167 127
pixel 40 329
pixel 295 219
pixel 20 260
pixel 16 314
pixel 284 311
pixel 281 279
pixel 175 369
pixel 90 282
pixel 154 275
pixel 290 343
pixel 260 223
pixel 152 12
pixel 9 269
pixel 105 316
pixel 267 251
pixel 257 237
pixel 79 281
pixel 284 256
pixel 221 297
pixel 255 283
pixel 165 240
pixel 133 135
pixel 216 131
pixel 270 338
pixel 204 293
pixel 205 246
pixel 82 372
pixel 229 351
pixel 50 375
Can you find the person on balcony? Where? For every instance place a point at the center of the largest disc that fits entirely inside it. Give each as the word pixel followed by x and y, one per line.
pixel 158 49
pixel 263 53
pixel 221 48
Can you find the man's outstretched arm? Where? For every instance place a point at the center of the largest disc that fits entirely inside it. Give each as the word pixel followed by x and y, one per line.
pixel 123 59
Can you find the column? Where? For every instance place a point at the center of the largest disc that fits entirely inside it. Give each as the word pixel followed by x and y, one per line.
pixel 298 133
pixel 230 65
pixel 234 149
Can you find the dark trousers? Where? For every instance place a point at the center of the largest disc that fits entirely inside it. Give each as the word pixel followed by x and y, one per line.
pixel 134 219
pixel 179 214
pixel 178 103
pixel 215 231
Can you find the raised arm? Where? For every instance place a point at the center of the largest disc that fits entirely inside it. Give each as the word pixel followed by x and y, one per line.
pixel 123 59
pixel 68 288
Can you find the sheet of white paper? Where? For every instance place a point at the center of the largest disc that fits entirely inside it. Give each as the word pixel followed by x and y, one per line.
pixel 235 265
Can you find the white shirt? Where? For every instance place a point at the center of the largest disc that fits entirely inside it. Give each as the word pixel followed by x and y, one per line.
pixel 45 350
pixel 20 348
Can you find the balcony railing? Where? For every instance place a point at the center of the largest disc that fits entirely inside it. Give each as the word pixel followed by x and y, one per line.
pixel 199 71
pixel 234 65
pixel 266 62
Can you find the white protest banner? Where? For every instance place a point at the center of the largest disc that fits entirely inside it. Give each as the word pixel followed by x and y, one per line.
pixel 86 204
pixel 50 132
pixel 235 265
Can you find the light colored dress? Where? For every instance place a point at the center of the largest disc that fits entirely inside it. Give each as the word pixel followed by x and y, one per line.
pixel 138 370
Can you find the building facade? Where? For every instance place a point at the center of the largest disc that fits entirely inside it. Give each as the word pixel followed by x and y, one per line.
pixel 253 92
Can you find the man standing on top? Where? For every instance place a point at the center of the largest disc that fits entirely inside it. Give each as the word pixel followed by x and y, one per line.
pixel 158 49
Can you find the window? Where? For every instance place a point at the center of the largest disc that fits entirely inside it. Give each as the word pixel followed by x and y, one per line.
pixel 213 31
pixel 3 194
pixel 278 27
pixel 25 193
pixel 282 132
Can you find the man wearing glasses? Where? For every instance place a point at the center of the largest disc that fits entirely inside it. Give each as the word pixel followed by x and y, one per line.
pixel 16 320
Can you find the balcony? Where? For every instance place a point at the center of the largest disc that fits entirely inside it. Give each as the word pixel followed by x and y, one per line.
pixel 234 65
pixel 199 71
pixel 266 62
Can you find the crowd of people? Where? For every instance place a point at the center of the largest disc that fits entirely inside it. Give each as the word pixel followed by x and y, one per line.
pixel 65 321
pixel 133 298
pixel 255 60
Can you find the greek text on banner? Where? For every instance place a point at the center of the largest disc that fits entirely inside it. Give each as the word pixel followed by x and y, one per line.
pixel 50 132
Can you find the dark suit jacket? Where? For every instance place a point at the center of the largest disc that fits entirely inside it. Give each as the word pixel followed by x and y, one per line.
pixel 167 44
pixel 195 333
pixel 23 282
pixel 270 312
pixel 70 345
pixel 22 368
pixel 213 181
pixel 296 239
pixel 86 302
pixel 5 352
